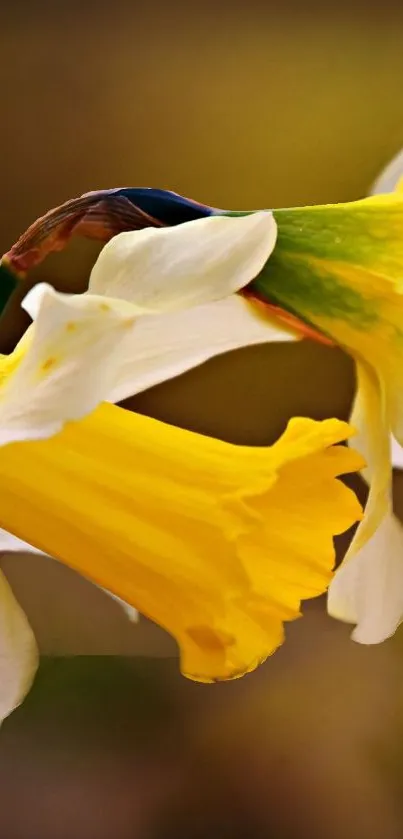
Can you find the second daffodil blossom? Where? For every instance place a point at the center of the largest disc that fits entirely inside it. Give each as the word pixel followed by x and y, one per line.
pixel 340 267
pixel 216 543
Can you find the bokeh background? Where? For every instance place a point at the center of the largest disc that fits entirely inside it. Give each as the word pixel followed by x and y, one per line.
pixel 240 105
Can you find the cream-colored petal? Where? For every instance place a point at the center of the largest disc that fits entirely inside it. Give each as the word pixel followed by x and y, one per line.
pixel 162 269
pixel 67 363
pixel 11 544
pixel 376 583
pixel 368 587
pixel 18 651
pixel 397 454
pixel 164 346
pixel 82 350
pixel 130 612
pixel 390 179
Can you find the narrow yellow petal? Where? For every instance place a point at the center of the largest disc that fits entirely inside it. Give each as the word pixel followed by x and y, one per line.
pixel 346 600
pixel 370 417
pixel 217 543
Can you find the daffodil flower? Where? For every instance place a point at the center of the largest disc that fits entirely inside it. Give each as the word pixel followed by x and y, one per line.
pixel 217 543
pixel 336 269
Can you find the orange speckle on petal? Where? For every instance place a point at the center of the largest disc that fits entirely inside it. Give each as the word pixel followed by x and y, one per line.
pixel 48 364
pixel 210 639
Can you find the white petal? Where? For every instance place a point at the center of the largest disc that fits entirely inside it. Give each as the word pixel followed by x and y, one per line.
pixel 391 178
pixel 80 352
pixel 397 454
pixel 18 651
pixel 187 265
pixel 130 612
pixel 372 584
pixel 68 363
pixel 11 544
pixel 164 346
pixel 368 587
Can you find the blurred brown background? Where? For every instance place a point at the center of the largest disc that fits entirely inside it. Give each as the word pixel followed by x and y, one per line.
pixel 237 105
